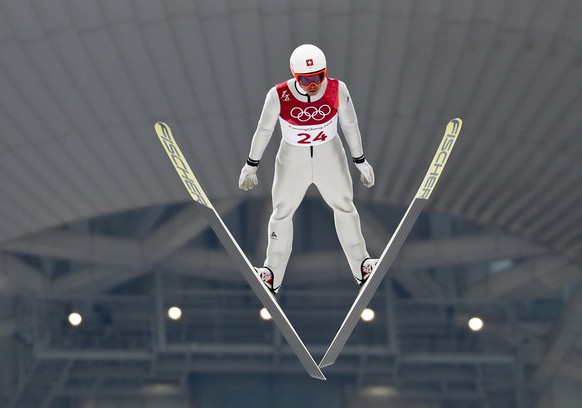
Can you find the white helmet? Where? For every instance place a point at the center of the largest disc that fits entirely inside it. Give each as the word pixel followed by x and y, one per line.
pixel 307 58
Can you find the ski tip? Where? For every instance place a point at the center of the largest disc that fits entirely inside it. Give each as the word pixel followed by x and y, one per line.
pixel 456 125
pixel 440 159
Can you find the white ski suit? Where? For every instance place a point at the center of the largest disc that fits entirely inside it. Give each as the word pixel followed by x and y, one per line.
pixel 310 153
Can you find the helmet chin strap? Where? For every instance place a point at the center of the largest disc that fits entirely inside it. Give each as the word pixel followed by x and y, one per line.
pixel 301 91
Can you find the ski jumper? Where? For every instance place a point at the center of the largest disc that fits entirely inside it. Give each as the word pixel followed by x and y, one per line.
pixel 310 152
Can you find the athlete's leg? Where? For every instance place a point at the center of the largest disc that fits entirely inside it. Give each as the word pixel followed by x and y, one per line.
pixel 334 182
pixel 293 176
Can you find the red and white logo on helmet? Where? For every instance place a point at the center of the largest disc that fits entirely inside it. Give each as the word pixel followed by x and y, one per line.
pixel 306 59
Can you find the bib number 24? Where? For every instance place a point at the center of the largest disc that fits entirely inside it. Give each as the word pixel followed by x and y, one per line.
pixel 307 138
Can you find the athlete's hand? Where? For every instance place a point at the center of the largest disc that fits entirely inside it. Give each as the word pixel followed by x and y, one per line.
pixel 367 173
pixel 248 177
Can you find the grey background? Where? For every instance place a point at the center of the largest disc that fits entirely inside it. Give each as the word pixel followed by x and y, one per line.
pixel 94 219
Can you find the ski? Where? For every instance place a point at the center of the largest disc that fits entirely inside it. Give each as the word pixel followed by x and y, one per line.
pixel 389 254
pixel 243 264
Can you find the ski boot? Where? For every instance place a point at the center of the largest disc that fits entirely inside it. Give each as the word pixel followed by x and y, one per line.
pixel 367 268
pixel 266 276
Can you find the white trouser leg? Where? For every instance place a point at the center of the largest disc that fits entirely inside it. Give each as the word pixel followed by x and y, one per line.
pixel 334 182
pixel 293 175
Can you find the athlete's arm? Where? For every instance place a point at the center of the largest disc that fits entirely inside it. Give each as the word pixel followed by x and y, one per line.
pixel 349 121
pixel 248 175
pixel 266 125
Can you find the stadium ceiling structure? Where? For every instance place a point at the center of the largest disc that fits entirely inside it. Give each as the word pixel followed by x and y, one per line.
pixel 94 220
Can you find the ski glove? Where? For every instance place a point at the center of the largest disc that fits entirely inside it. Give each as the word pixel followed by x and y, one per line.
pixel 367 173
pixel 248 177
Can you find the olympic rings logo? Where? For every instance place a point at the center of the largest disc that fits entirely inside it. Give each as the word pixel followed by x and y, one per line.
pixel 311 112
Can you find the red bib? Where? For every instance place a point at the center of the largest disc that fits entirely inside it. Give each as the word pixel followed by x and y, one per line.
pixel 308 123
